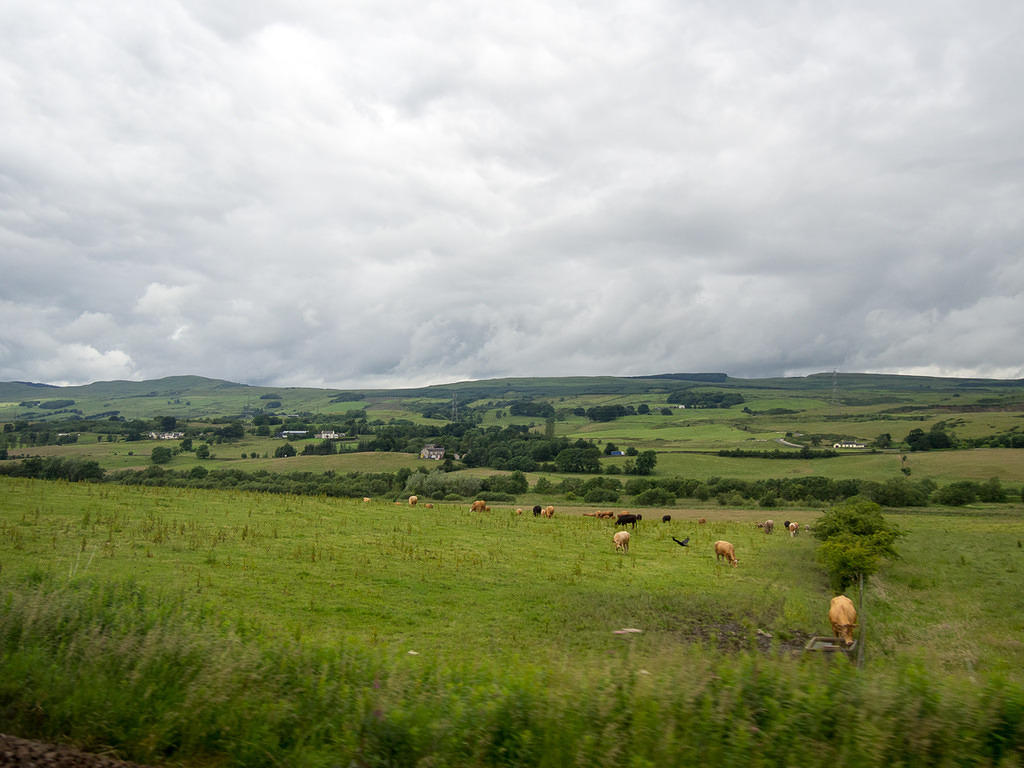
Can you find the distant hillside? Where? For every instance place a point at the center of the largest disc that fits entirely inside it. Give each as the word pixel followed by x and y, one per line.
pixel 197 396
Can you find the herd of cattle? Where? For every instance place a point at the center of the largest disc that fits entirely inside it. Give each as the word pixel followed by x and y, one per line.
pixel 841 613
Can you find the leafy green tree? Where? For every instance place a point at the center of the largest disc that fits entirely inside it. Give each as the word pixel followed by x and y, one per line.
pixel 203 451
pixel 284 451
pixel 992 491
pixel 855 538
pixel 957 494
pixel 161 454
pixel 644 464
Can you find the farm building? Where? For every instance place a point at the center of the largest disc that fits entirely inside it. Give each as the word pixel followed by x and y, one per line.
pixel 431 451
pixel 849 445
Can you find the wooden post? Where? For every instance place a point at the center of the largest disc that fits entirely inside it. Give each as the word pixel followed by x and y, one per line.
pixel 860 620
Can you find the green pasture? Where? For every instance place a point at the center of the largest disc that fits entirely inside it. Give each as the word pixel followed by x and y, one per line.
pixel 220 628
pixel 447 581
pixel 941 466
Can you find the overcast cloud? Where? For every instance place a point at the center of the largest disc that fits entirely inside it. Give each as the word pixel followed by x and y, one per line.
pixel 397 193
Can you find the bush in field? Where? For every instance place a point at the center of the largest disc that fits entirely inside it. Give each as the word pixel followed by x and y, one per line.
pixel 992 491
pixel 957 494
pixel 855 538
pixel 655 497
pixel 161 454
pixel 897 492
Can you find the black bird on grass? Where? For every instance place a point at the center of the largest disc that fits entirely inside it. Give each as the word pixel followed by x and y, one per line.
pixel 684 543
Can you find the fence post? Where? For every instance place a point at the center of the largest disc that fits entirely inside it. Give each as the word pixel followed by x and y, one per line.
pixel 860 619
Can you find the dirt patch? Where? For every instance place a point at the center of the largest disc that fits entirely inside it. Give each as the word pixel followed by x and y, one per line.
pixel 732 636
pixel 26 753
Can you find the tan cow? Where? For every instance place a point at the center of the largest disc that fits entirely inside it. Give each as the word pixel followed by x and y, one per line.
pixel 843 618
pixel 548 512
pixel 769 526
pixel 621 539
pixel 794 529
pixel 366 499
pixel 726 550
pixel 413 500
pixel 478 506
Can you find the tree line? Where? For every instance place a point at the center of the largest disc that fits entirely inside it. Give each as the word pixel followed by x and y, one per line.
pixel 602 489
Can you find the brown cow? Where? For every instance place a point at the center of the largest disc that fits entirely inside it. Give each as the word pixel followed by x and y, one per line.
pixel 702 521
pixel 413 500
pixel 794 529
pixel 726 550
pixel 843 618
pixel 478 506
pixel 769 526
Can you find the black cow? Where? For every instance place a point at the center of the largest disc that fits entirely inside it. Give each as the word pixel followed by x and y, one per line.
pixel 537 510
pixel 628 519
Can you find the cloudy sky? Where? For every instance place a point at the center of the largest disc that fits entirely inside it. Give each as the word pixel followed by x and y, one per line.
pixel 397 193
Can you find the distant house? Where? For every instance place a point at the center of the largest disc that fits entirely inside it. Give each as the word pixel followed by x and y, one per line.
pixel 166 435
pixel 329 435
pixel 849 445
pixel 431 451
pixel 287 433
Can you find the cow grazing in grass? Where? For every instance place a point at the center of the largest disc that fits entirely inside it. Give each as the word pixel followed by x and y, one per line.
pixel 769 526
pixel 478 506
pixel 413 500
pixel 628 519
pixel 621 540
pixel 843 618
pixel 794 528
pixel 726 550
pixel 666 518
pixel 537 509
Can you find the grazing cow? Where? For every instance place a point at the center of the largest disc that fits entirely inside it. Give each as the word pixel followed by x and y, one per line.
pixel 726 550
pixel 413 500
pixel 794 528
pixel 537 509
pixel 519 510
pixel 428 505
pixel 548 511
pixel 621 539
pixel 606 515
pixel 666 518
pixel 365 499
pixel 628 519
pixel 769 526
pixel 702 521
pixel 478 506
pixel 843 618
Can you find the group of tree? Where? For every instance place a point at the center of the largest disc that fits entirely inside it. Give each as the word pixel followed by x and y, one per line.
pixel 638 490
pixel 700 399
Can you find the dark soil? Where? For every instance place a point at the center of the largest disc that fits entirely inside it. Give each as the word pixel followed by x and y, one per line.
pixel 32 754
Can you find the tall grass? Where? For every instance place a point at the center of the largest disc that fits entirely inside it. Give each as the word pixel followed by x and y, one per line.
pixel 115 666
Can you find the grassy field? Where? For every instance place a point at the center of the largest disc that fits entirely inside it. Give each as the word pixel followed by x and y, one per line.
pixel 384 634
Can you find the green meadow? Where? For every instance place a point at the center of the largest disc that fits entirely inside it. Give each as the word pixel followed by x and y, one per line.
pixel 211 628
